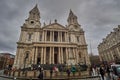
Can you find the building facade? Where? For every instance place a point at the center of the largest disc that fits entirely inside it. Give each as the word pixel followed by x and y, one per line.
pixel 94 60
pixel 6 60
pixel 52 43
pixel 109 49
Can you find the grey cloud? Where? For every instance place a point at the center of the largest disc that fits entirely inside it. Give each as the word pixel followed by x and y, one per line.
pixel 97 17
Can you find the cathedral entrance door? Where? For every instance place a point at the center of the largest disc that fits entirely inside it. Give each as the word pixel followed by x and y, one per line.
pixel 55 58
pixel 56 55
pixel 38 60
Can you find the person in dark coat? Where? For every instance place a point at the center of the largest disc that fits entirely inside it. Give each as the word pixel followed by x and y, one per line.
pixel 51 72
pixel 68 72
pixel 40 74
pixel 102 72
pixel 108 70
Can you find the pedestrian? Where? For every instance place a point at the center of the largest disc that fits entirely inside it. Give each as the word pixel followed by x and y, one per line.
pixel 90 71
pixel 93 71
pixel 68 72
pixel 102 72
pixel 51 72
pixel 40 74
pixel 108 71
pixel 55 70
pixel 97 70
pixel 73 69
pixel 61 70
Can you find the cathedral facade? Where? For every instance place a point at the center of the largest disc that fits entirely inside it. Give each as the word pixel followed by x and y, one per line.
pixel 52 43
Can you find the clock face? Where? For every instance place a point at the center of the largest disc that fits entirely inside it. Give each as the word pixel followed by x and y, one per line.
pixel 32 22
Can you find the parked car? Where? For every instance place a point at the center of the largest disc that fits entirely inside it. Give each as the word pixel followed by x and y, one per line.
pixel 115 71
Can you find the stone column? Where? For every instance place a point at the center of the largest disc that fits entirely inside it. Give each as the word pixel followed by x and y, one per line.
pixel 21 35
pixel 76 51
pixel 50 36
pixel 74 55
pixel 17 57
pixel 66 55
pixel 33 54
pixel 43 36
pixel 37 37
pixel 65 36
pixel 42 56
pixel 36 53
pixel 58 36
pixel 59 56
pixel 61 37
pixel 50 56
pixel 53 36
pixel 109 54
pixel 53 56
pixel 45 55
pixel 112 55
pixel 118 52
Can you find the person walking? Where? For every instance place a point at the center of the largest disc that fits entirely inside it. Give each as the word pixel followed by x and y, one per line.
pixel 68 72
pixel 102 72
pixel 51 72
pixel 108 72
pixel 40 74
pixel 73 69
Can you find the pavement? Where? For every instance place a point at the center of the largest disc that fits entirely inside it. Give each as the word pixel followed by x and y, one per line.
pixel 3 77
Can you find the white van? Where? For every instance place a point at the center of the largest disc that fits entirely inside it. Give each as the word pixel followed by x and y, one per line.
pixel 115 71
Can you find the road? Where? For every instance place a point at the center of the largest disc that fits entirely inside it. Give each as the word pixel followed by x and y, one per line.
pixel 5 78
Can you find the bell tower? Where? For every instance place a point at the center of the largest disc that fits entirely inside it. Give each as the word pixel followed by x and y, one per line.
pixel 34 18
pixel 34 14
pixel 72 18
pixel 73 24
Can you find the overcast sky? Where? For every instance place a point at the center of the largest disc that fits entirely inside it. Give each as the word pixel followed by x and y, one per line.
pixel 97 18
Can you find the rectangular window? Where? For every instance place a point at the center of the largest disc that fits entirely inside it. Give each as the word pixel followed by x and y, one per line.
pixel 71 53
pixel 69 39
pixel 77 38
pixel 29 37
pixel 48 35
pixel 55 36
pixel 40 37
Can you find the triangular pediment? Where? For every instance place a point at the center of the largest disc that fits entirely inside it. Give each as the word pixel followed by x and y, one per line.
pixel 54 26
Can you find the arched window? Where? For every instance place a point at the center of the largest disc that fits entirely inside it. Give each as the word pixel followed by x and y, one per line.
pixel 27 55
